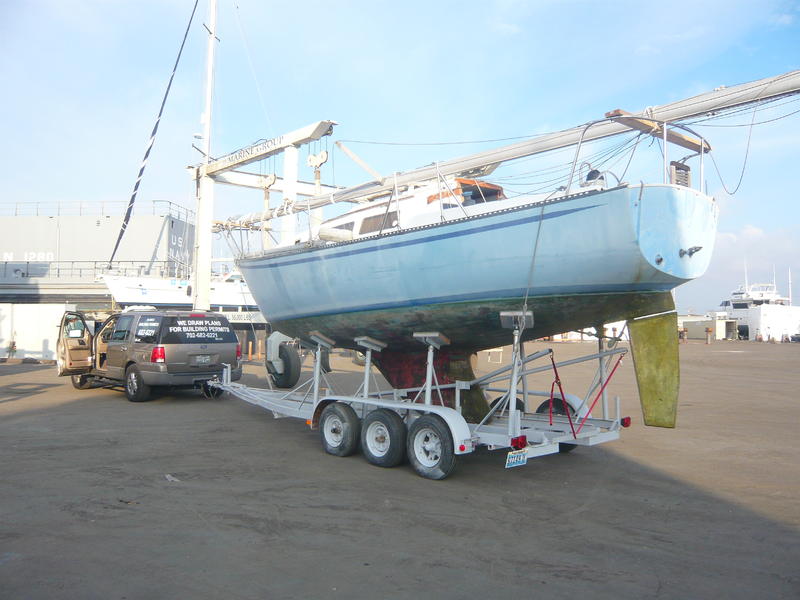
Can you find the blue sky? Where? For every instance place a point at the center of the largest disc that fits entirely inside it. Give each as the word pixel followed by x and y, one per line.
pixel 83 81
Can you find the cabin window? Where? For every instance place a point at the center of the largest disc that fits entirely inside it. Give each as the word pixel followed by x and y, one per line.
pixel 740 305
pixel 346 226
pixel 379 222
pixel 474 191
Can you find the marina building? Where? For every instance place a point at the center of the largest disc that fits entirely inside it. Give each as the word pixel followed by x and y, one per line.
pixel 53 256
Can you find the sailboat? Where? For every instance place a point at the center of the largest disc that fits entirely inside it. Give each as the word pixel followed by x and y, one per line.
pixel 443 249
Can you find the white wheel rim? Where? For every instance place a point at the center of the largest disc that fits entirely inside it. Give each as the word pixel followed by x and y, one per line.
pixel 132 383
pixel 377 438
pixel 428 447
pixel 333 430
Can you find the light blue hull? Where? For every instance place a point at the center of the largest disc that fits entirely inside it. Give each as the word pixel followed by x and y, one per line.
pixel 628 243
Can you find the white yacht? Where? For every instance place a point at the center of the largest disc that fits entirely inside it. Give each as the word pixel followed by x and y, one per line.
pixel 761 312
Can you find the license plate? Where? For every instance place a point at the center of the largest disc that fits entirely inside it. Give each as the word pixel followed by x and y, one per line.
pixel 202 359
pixel 516 458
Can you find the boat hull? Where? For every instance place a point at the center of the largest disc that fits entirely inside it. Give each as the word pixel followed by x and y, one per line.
pixel 581 261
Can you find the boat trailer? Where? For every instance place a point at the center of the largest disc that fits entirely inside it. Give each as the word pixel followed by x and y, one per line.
pixel 415 422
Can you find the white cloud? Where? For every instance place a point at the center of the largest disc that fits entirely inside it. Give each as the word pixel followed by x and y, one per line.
pixel 751 232
pixel 784 19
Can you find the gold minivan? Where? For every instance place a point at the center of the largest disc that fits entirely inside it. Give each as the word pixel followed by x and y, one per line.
pixel 146 348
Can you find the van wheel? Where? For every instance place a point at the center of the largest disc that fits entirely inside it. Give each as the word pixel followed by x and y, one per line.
pixel 291 367
pixel 135 388
pixel 81 382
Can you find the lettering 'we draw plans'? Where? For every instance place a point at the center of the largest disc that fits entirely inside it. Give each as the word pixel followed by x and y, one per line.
pixel 199 327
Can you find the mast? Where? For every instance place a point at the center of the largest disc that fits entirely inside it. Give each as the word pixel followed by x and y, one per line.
pixel 205 185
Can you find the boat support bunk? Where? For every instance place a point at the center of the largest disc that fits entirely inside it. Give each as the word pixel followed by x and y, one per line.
pixel 391 425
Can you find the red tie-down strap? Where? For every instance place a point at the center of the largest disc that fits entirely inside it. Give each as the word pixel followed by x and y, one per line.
pixel 605 383
pixel 564 403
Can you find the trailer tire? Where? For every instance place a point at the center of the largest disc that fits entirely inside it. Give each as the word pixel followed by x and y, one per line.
pixel 339 429
pixel 135 388
pixel 325 360
pixel 291 367
pixel 520 403
pixel 81 382
pixel 558 409
pixel 430 447
pixel 383 438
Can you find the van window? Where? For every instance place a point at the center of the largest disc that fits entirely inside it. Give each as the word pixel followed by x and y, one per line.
pixel 147 329
pixel 122 328
pixel 196 330
pixel 72 323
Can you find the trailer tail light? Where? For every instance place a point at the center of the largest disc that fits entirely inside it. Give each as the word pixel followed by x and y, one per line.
pixel 520 442
pixel 197 314
pixel 625 421
pixel 158 355
pixel 238 352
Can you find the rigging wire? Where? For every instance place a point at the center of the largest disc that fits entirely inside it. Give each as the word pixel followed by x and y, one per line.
pixel 252 69
pixel 794 112
pixel 452 143
pixel 744 163
pixel 769 104
pixel 131 202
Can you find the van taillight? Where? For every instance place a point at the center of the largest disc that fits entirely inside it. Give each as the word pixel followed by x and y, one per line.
pixel 158 355
pixel 238 352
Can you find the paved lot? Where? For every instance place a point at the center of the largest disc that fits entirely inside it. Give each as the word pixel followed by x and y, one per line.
pixel 184 497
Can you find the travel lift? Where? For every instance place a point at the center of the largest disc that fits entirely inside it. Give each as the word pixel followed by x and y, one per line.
pixel 390 425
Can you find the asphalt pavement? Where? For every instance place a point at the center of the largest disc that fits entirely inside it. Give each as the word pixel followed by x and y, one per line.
pixel 186 497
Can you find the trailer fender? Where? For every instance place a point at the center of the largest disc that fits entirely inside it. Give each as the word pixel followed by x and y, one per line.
pixel 462 436
pixel 314 424
pixel 575 402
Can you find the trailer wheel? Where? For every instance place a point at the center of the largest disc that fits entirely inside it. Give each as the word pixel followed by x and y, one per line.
pixel 81 382
pixel 520 403
pixel 339 429
pixel 135 388
pixel 430 447
pixel 325 360
pixel 558 409
pixel 383 438
pixel 291 367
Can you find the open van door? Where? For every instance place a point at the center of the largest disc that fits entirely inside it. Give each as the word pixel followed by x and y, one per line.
pixel 74 345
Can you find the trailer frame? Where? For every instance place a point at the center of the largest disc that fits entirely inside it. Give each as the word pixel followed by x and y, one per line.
pixel 433 443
